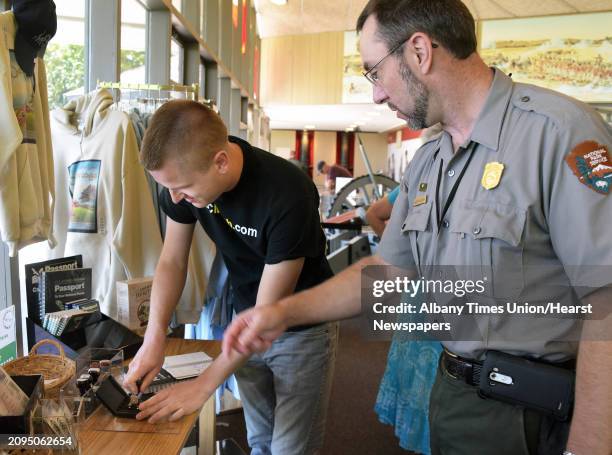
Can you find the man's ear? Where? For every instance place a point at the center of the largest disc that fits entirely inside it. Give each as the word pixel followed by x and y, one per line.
pixel 421 46
pixel 221 161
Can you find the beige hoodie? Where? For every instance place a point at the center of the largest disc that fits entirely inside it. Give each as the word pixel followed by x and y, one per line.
pixel 104 208
pixel 26 162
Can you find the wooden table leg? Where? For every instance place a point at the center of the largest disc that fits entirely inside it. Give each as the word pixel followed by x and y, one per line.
pixel 206 435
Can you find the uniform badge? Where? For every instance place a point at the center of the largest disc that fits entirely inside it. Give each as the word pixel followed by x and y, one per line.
pixel 492 175
pixel 591 163
pixel 419 200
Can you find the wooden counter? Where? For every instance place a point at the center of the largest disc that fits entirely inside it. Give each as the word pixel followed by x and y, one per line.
pixel 97 436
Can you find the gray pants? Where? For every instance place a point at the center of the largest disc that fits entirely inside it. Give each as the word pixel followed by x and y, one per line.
pixel 285 392
pixel 462 423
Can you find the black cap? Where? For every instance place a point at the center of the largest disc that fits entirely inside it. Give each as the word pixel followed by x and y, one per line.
pixel 36 25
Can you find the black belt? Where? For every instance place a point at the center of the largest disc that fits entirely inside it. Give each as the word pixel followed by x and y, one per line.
pixel 462 369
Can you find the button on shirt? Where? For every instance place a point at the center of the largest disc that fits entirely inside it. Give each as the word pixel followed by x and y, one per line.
pixel 539 218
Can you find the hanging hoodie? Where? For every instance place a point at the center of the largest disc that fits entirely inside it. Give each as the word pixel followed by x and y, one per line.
pixel 104 208
pixel 26 161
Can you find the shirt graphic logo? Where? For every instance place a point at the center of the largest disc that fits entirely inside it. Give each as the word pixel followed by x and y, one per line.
pixel 244 230
pixel 591 163
pixel 84 179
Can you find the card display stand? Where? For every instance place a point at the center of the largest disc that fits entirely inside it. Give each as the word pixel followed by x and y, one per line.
pixel 33 388
pixel 105 333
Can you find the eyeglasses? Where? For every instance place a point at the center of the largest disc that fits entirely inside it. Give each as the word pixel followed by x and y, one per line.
pixel 372 75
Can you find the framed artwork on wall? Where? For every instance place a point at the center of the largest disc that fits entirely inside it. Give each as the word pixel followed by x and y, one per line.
pixel 355 87
pixel 571 54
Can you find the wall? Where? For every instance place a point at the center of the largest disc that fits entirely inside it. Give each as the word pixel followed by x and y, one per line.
pixel 302 69
pixel 282 139
pixel 376 148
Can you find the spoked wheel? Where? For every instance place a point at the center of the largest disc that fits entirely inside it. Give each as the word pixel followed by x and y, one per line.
pixel 359 192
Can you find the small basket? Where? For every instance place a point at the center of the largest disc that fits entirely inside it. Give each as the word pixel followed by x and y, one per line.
pixel 55 369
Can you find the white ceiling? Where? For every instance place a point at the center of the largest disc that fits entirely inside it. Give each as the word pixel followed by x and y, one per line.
pixel 317 16
pixel 333 117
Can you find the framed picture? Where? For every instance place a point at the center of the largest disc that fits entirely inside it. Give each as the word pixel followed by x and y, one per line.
pixel 571 54
pixel 355 87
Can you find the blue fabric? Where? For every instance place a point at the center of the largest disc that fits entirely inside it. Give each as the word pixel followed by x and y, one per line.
pixel 403 396
pixel 392 196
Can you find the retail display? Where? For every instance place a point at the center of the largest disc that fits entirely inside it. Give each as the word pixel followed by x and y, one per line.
pixel 133 303
pixel 13 400
pixel 62 286
pixel 32 387
pixel 72 319
pixel 56 370
pixel 33 274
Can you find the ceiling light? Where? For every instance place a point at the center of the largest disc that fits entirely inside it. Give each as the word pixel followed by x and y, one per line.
pixel 279 2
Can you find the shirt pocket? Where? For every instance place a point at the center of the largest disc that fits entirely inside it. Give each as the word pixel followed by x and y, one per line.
pixel 490 238
pixel 416 223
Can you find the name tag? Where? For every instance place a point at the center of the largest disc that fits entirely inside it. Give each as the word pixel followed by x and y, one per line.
pixel 419 200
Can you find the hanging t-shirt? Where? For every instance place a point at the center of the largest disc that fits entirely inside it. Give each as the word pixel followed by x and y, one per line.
pixel 270 216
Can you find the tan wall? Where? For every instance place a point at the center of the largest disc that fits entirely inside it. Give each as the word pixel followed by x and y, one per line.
pixel 282 142
pixel 302 69
pixel 376 148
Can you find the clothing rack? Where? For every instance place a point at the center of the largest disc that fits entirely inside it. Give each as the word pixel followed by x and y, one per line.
pixel 193 90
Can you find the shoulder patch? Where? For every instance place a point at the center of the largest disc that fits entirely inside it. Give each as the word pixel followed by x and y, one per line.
pixel 591 163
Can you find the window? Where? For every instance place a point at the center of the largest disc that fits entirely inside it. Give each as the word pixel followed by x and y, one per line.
pixel 133 41
pixel 177 55
pixel 65 54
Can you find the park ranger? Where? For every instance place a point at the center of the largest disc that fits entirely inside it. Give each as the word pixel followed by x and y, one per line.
pixel 521 175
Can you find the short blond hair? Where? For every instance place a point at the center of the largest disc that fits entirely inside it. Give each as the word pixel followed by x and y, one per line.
pixel 185 131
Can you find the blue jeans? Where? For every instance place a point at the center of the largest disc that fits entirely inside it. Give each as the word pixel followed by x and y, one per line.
pixel 285 392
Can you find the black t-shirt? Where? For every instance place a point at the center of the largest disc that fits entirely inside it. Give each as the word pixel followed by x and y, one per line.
pixel 270 216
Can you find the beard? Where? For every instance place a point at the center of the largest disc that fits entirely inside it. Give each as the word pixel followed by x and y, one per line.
pixel 417 119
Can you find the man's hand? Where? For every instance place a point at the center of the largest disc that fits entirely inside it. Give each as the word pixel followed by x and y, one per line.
pixel 146 364
pixel 175 402
pixel 254 330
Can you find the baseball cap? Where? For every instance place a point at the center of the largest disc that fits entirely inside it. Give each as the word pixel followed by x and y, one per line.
pixel 36 25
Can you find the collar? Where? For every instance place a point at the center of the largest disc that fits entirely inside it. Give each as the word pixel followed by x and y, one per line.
pixel 489 124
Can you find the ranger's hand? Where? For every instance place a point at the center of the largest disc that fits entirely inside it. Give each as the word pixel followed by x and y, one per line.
pixel 254 330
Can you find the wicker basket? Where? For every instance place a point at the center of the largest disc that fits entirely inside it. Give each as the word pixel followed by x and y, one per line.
pixel 56 369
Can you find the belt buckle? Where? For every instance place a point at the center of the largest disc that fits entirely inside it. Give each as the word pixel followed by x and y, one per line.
pixel 444 369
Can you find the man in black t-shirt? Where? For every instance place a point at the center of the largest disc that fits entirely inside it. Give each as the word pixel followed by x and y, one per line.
pixel 262 214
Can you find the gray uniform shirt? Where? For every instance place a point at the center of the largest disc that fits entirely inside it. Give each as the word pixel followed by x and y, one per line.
pixel 541 218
